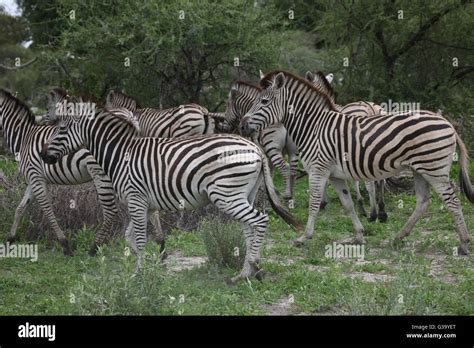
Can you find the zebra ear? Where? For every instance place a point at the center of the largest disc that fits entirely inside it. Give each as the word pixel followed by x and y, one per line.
pixel 233 93
pixel 109 97
pixel 262 75
pixel 309 76
pixel 330 77
pixel 280 80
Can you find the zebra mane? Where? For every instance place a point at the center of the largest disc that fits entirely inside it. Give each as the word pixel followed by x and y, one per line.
pixel 20 104
pixel 267 81
pixel 121 94
pixel 327 86
pixel 60 91
pixel 247 84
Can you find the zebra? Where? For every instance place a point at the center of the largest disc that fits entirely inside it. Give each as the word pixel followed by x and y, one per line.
pixel 184 120
pixel 175 174
pixel 56 97
pixel 361 108
pixel 337 148
pixel 275 140
pixel 25 139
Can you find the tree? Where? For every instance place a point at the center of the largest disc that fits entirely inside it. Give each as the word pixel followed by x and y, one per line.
pixel 164 53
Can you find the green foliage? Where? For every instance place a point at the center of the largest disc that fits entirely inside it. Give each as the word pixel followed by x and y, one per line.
pixel 225 243
pixel 163 53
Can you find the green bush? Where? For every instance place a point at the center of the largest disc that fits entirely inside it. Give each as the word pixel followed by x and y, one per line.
pixel 224 241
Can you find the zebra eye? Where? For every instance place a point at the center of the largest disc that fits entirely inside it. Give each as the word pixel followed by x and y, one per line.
pixel 265 101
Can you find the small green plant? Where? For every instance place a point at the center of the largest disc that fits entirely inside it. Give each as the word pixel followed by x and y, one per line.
pixel 224 241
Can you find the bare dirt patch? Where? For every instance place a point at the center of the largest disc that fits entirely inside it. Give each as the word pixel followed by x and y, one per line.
pixel 175 262
pixel 283 307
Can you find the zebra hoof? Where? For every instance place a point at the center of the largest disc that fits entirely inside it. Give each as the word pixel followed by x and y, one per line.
pixel 260 275
pixel 323 205
pixel 397 242
pixel 66 248
pixel 383 217
pixel 93 250
pixel 462 250
pixel 298 243
pixel 372 217
pixel 11 239
pixel 163 255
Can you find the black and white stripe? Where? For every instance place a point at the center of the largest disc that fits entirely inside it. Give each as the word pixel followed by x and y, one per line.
pixel 182 121
pixel 25 139
pixel 274 140
pixel 175 174
pixel 338 148
pixel 360 108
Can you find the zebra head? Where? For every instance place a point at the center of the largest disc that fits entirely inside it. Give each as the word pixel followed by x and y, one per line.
pixel 115 99
pixel 241 98
pixel 66 138
pixel 56 98
pixel 73 133
pixel 269 109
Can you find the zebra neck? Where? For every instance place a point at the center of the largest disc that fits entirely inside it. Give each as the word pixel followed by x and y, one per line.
pixel 303 120
pixel 15 132
pixel 110 146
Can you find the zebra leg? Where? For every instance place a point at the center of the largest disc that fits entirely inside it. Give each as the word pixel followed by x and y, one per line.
pixel 107 199
pixel 159 236
pixel 370 185
pixel 360 200
pixel 293 162
pixel 257 222
pixel 422 191
pixel 19 213
pixel 276 157
pixel 139 216
pixel 42 195
pixel 446 192
pixel 345 197
pixel 382 215
pixel 317 184
pixel 324 199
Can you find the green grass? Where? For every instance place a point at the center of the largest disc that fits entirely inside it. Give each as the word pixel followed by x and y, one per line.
pixel 302 277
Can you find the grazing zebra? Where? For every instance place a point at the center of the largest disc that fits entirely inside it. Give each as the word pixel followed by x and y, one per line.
pixel 361 108
pixel 175 174
pixel 184 120
pixel 275 140
pixel 338 148
pixel 25 139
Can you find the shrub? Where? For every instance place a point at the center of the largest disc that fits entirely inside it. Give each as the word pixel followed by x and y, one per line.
pixel 224 241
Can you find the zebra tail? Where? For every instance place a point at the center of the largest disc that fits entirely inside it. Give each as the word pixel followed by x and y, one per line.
pixel 464 180
pixel 273 196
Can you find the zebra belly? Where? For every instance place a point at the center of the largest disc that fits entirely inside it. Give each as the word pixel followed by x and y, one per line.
pixel 70 170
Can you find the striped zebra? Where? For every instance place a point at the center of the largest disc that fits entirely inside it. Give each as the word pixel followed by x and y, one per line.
pixel 25 139
pixel 338 148
pixel 275 139
pixel 175 174
pixel 184 120
pixel 56 98
pixel 361 108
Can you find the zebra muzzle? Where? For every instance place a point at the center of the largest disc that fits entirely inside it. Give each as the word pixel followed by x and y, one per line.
pixel 246 128
pixel 46 157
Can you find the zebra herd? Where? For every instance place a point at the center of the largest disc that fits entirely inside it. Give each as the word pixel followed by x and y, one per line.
pixel 186 157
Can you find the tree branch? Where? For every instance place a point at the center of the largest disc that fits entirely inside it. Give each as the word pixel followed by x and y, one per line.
pixel 18 67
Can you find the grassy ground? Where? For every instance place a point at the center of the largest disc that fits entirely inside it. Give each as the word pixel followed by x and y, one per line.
pixel 419 277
